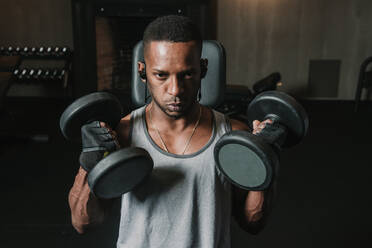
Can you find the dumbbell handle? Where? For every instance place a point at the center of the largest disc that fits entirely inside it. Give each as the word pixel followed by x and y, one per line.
pixel 274 134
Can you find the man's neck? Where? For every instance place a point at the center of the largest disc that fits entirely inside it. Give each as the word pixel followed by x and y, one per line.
pixel 167 123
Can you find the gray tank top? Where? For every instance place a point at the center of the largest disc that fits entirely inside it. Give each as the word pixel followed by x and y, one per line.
pixel 185 203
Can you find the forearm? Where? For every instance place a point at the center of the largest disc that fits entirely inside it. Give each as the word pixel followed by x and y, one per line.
pixel 86 209
pixel 253 206
pixel 250 211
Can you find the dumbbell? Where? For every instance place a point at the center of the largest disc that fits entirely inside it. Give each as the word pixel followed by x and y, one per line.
pixel 46 74
pixel 61 75
pixel 38 74
pixel 54 74
pixel 23 73
pixel 31 74
pixel 33 51
pixel 17 51
pixel 19 73
pixel 16 73
pixel 49 51
pixel 65 51
pixel 41 51
pixel 56 51
pixel 271 82
pixel 120 171
pixel 251 161
pixel 9 51
pixel 25 51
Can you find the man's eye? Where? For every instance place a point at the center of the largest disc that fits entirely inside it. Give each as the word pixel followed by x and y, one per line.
pixel 161 75
pixel 189 75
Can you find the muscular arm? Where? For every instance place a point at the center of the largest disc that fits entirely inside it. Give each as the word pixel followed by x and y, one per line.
pixel 87 210
pixel 251 208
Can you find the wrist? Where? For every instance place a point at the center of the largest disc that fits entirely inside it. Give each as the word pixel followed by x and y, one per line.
pixel 90 158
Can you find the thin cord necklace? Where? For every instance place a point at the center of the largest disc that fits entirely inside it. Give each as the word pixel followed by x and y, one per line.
pixel 188 141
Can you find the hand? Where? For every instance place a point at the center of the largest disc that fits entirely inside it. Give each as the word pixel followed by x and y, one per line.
pixel 258 126
pixel 97 139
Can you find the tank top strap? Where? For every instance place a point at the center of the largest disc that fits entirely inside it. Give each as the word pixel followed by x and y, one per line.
pixel 222 123
pixel 136 117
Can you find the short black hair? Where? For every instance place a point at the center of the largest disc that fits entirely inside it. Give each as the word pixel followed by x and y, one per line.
pixel 173 28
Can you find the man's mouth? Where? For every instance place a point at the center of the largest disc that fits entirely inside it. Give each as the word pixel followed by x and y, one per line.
pixel 175 107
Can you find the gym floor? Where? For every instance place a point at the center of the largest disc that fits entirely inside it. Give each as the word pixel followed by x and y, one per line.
pixel 323 198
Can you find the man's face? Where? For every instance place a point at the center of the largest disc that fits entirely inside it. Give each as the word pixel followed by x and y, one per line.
pixel 173 75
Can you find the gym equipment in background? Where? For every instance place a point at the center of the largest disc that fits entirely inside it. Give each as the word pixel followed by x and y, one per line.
pixel 237 97
pixel 31 68
pixel 364 81
pixel 36 52
pixel 47 67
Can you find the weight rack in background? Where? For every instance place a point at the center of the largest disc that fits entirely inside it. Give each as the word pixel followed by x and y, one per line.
pixel 45 70
pixel 45 66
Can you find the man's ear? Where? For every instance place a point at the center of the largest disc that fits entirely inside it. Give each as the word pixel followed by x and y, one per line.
pixel 142 71
pixel 203 67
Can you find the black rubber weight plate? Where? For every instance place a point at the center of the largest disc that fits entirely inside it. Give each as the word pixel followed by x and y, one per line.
pixel 120 172
pixel 285 109
pixel 245 160
pixel 98 106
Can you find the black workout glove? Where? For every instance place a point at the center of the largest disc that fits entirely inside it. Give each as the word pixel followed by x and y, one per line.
pixel 96 141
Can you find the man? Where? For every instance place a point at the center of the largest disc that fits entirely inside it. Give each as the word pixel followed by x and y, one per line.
pixel 186 202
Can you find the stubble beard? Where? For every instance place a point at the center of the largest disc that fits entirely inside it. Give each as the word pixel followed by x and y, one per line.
pixel 173 116
pixel 187 109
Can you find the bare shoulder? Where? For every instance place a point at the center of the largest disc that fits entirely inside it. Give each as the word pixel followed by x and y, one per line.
pixel 238 125
pixel 123 131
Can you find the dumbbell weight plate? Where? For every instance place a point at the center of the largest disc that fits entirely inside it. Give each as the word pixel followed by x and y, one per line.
pixel 120 172
pixel 282 108
pixel 245 160
pixel 98 106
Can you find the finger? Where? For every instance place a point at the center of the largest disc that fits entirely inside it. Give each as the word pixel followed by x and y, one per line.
pixel 99 131
pixel 107 134
pixel 94 128
pixel 263 124
pixel 106 137
pixel 114 134
pixel 105 125
pixel 257 130
pixel 115 137
pixel 268 121
pixel 111 137
pixel 255 124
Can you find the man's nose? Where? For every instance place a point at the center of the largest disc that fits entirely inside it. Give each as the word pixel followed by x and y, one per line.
pixel 175 87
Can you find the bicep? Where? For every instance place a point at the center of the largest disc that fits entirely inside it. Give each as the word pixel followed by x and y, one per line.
pixel 238 125
pixel 123 131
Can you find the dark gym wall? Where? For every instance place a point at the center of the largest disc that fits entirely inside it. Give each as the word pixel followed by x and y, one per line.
pixel 259 36
pixel 36 22
pixel 284 35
